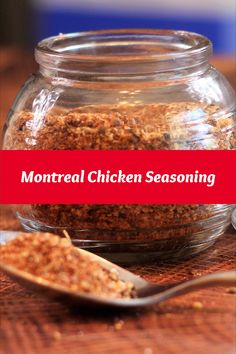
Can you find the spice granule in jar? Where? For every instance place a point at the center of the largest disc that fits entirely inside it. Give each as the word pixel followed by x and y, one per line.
pixel 177 125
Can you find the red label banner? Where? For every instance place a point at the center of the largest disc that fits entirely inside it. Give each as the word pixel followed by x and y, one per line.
pixel 117 177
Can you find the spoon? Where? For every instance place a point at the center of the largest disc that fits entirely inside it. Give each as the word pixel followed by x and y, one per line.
pixel 147 293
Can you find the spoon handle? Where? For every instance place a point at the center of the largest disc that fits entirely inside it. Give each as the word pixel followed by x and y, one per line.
pixel 215 279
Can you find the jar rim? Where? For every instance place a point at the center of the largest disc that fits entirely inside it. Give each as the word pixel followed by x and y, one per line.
pixel 144 45
pixel 123 55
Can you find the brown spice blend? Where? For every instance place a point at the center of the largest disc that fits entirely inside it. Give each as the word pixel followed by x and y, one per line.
pixel 54 259
pixel 179 125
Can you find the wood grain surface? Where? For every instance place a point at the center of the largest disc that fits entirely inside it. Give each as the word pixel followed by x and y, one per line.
pixel 200 323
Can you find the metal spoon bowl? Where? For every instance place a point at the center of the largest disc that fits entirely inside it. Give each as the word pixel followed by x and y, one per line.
pixel 147 293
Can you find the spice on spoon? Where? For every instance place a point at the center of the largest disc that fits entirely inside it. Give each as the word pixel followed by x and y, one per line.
pixel 54 259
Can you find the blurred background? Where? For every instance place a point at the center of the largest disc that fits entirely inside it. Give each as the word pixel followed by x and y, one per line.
pixel 25 22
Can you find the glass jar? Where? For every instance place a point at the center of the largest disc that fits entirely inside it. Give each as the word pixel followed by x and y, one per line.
pixel 126 89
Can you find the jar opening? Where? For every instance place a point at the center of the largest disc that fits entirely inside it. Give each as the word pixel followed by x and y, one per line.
pixel 116 51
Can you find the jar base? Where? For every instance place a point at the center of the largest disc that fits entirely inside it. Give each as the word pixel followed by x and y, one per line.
pixel 136 251
pixel 234 219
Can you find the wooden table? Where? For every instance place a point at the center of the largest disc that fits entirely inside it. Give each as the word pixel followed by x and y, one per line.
pixel 198 323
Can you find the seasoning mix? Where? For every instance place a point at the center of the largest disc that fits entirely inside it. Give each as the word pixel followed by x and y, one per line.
pixel 54 259
pixel 133 127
